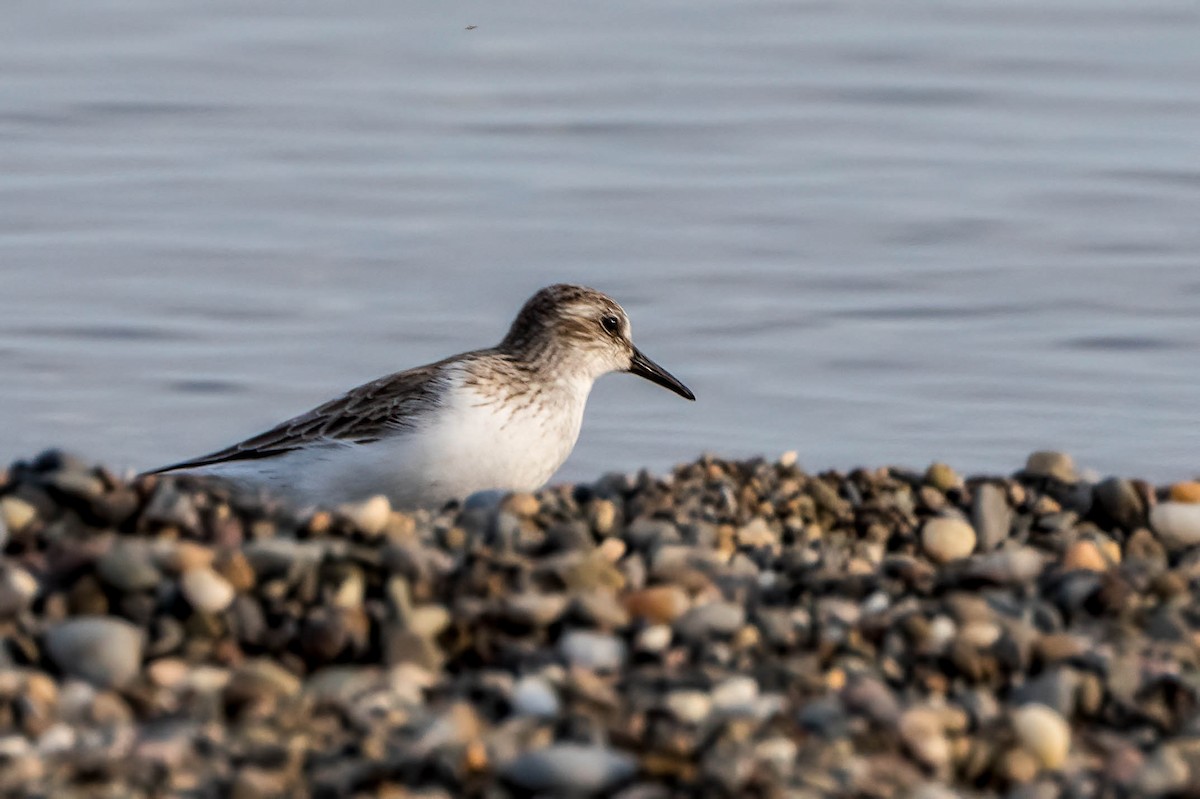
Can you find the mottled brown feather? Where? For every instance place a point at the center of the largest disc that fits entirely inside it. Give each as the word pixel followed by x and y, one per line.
pixel 360 416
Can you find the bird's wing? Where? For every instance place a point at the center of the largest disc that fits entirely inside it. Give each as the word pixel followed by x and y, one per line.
pixel 359 416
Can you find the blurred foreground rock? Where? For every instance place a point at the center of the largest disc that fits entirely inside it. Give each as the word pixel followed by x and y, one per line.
pixel 734 629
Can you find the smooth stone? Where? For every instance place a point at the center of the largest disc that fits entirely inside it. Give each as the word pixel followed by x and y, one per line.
pixel 428 621
pixel 350 591
pixel 923 732
pixel 128 567
pixel 645 532
pixel 1007 567
pixel 689 706
pixel 1121 502
pixel 105 651
pixel 870 697
pixel 1188 491
pixel 991 515
pixel 171 507
pixel 1044 733
pixel 570 769
pixel 602 514
pixel 341 685
pixel 16 513
pixel 206 590
pixel 945 539
pixel 1177 524
pixel 712 618
pixel 735 695
pixel 534 609
pixel 18 588
pixel 942 477
pixel 757 534
pixel 1084 554
pixel 591 650
pixel 535 696
pixel 658 604
pixel 369 516
pixel 262 678
pixel 273 557
pixel 1144 546
pixel 521 504
pixel 77 484
pixel 653 639
pixel 484 500
pixel 168 672
pixel 1057 465
pixel 599 609
pixel 181 556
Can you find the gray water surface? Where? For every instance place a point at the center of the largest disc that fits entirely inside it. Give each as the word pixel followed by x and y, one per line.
pixel 873 232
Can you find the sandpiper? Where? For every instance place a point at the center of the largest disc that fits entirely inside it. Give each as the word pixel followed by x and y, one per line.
pixel 501 418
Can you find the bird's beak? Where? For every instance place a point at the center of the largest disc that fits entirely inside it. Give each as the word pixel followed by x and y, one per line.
pixel 642 366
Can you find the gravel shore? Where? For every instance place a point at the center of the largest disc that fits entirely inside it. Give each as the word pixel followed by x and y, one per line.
pixel 734 629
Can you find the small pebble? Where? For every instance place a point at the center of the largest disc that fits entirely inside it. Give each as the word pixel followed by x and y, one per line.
pixel 712 618
pixel 1057 465
pixel 660 604
pixel 570 769
pixel 534 696
pixel 942 477
pixel 1084 555
pixel 689 706
pixel 370 516
pixel 1188 492
pixel 1177 524
pixel 206 590
pixel 105 651
pixel 590 650
pixel 16 513
pixel 1044 733
pixel 991 515
pixel 945 539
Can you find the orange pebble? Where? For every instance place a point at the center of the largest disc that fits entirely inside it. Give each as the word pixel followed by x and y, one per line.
pixel 1186 492
pixel 1084 555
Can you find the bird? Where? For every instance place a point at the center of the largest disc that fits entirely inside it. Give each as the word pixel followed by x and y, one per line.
pixel 503 418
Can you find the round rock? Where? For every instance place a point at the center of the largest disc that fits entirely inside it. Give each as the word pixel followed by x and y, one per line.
pixel 658 604
pixel 129 568
pixel 1188 491
pixel 534 696
pixel 1057 465
pixel 945 539
pixel 1044 733
pixel 105 651
pixel 591 650
pixel 369 516
pixel 711 618
pixel 206 590
pixel 16 513
pixel 1177 524
pixel 569 769
pixel 1120 500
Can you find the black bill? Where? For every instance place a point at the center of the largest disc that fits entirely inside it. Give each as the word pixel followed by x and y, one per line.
pixel 644 367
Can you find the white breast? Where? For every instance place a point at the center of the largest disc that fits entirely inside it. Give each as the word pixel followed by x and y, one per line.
pixel 473 442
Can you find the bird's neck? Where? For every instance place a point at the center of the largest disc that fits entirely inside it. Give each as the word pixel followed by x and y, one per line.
pixel 547 365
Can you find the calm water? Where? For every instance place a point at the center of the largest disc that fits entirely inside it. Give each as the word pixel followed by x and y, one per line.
pixel 873 232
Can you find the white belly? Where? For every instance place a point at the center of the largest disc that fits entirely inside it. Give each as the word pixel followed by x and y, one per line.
pixel 469 445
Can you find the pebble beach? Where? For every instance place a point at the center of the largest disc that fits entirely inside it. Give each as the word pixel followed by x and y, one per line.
pixel 729 629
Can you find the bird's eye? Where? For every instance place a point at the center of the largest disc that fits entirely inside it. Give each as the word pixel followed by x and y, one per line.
pixel 610 323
